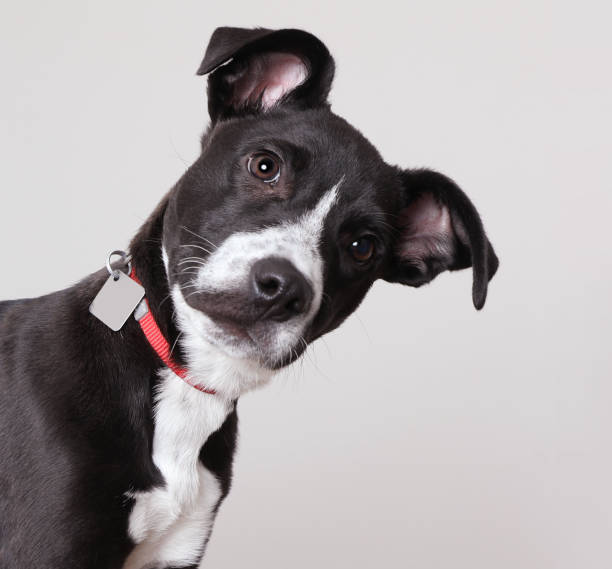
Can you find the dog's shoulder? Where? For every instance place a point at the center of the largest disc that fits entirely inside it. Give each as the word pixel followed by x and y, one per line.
pixel 5 305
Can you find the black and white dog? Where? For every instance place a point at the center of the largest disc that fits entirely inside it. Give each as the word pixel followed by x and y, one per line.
pixel 116 446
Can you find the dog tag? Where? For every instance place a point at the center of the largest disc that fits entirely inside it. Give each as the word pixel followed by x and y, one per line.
pixel 116 300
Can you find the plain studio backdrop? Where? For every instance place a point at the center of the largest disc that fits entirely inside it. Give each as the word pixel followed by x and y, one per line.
pixel 421 433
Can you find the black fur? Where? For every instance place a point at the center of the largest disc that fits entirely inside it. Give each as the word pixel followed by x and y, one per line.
pixel 76 418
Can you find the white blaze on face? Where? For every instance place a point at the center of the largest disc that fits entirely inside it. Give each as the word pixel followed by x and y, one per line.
pixel 228 268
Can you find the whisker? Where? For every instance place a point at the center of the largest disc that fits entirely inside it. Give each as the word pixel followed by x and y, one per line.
pixel 324 342
pixel 175 343
pixel 164 299
pixel 199 236
pixel 364 328
pixel 197 247
pixel 192 293
pixel 198 259
pixel 195 265
pixel 190 283
pixel 313 361
pixel 304 343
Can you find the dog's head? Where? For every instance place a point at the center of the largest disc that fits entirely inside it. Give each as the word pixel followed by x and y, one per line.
pixel 275 234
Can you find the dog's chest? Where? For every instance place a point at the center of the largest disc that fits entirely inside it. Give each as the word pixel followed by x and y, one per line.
pixel 170 524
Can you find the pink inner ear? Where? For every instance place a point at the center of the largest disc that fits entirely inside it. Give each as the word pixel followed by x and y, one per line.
pixel 271 76
pixel 426 230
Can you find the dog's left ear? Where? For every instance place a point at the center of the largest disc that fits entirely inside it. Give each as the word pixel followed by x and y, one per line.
pixel 439 229
pixel 255 69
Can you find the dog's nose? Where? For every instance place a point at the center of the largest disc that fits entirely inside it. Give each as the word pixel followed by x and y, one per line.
pixel 280 289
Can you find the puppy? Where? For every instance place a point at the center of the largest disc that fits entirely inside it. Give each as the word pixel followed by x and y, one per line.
pixel 118 410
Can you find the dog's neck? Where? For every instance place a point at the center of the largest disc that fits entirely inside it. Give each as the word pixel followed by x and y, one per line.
pixel 146 251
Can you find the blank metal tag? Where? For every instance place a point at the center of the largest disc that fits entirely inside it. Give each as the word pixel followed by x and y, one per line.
pixel 116 300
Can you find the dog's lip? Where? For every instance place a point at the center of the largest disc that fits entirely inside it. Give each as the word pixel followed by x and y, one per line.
pixel 226 332
pixel 222 323
pixel 233 329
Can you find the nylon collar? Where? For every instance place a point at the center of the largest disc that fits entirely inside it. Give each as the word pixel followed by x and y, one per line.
pixel 159 343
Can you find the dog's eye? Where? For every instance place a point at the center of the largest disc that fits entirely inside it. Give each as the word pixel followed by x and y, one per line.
pixel 265 167
pixel 362 249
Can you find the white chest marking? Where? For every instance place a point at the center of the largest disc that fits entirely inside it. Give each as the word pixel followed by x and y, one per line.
pixel 170 524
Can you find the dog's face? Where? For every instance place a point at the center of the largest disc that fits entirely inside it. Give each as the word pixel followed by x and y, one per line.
pixel 275 234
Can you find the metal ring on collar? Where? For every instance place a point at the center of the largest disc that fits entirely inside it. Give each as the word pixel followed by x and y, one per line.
pixel 126 260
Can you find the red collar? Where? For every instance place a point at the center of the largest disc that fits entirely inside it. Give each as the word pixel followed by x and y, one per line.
pixel 157 341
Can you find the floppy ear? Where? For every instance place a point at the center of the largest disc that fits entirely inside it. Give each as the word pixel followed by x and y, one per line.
pixel 255 69
pixel 439 230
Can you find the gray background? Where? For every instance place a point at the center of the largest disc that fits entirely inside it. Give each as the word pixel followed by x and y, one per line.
pixel 422 433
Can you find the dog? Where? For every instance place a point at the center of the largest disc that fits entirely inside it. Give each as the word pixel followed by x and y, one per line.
pixel 118 411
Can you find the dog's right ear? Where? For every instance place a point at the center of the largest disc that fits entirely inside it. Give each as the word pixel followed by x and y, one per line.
pixel 253 70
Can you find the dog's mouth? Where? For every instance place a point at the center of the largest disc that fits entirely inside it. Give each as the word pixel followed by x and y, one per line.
pixel 233 331
pixel 234 328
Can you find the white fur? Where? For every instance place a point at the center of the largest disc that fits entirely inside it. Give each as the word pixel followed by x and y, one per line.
pixel 171 523
pixel 228 372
